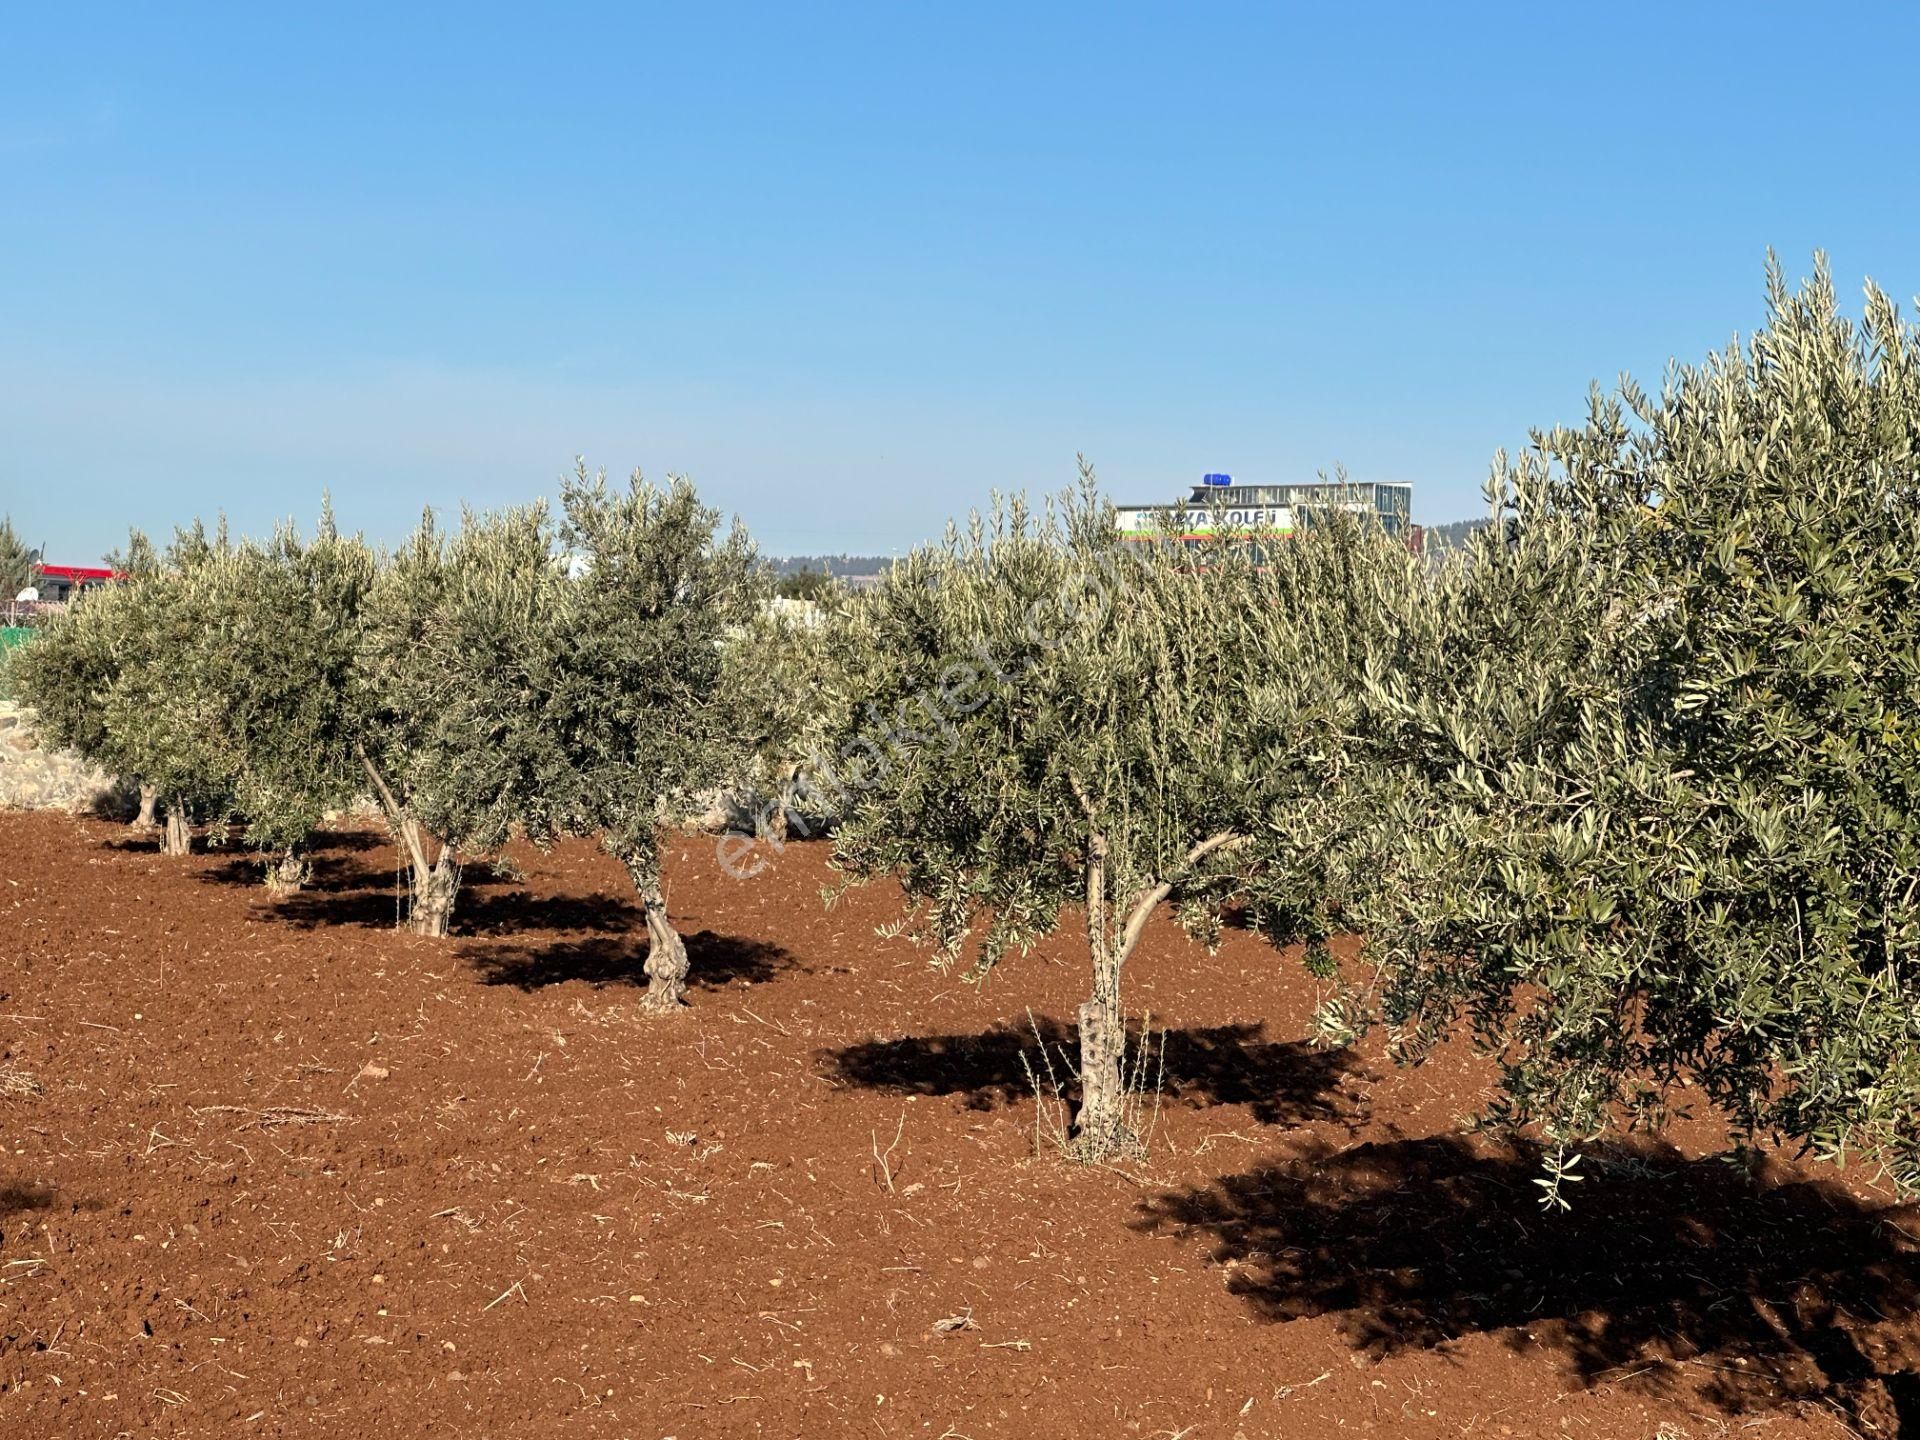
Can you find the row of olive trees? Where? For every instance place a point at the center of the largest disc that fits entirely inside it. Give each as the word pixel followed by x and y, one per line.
pixel 1627 784
pixel 529 673
pixel 1630 784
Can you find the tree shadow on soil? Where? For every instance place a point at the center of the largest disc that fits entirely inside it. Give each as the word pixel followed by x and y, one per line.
pixel 242 866
pixel 331 854
pixel 349 888
pixel 715 961
pixel 343 890
pixel 119 801
pixel 1751 1292
pixel 16 1198
pixel 138 842
pixel 517 910
pixel 1283 1082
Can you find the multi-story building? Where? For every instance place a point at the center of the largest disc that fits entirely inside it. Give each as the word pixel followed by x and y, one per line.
pixel 1276 509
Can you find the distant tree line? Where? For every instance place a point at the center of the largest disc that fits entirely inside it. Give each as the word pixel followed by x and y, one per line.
pixel 804 585
pixel 1451 536
pixel 828 564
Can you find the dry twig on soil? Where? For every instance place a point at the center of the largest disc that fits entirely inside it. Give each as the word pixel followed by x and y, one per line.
pixel 884 1158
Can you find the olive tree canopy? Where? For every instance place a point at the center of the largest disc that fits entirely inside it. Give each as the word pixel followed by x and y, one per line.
pixel 281 653
pixel 116 678
pixel 1651 819
pixel 67 674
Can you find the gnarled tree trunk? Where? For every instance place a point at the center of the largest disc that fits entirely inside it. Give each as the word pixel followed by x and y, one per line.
pixel 435 888
pixel 149 799
pixel 1100 1129
pixel 177 838
pixel 667 965
pixel 289 872
pixel 433 884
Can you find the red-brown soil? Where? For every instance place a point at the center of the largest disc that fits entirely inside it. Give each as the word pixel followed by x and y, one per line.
pixel 289 1172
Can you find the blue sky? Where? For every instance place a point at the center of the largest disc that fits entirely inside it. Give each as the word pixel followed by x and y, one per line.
pixel 852 267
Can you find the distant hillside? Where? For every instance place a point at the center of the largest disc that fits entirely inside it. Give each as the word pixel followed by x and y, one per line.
pixel 828 564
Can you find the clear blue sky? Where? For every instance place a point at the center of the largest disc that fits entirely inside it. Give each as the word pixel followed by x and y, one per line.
pixel 852 267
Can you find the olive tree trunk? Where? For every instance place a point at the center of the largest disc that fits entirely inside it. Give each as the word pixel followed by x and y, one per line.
pixel 1100 1128
pixel 432 885
pixel 177 837
pixel 288 873
pixel 149 799
pixel 667 965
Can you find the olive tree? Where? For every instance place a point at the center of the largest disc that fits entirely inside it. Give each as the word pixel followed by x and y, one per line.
pixel 66 675
pixel 1051 718
pixel 634 706
pixel 787 678
pixel 572 681
pixel 282 657
pixel 162 708
pixel 545 678
pixel 414 688
pixel 115 679
pixel 1649 820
